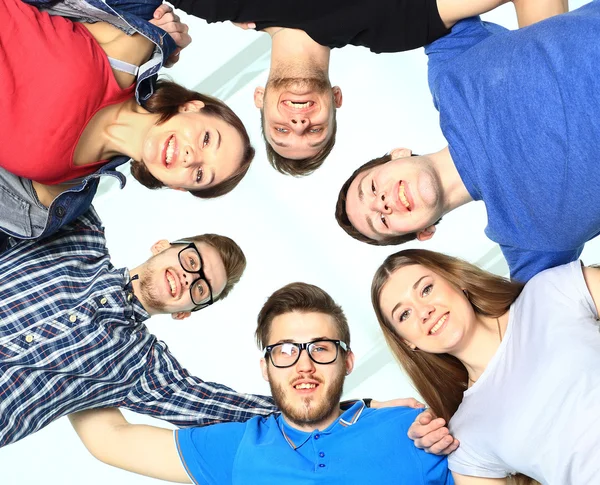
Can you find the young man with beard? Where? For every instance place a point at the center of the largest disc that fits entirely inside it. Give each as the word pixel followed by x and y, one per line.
pixel 73 334
pixel 306 342
pixel 519 113
pixel 298 105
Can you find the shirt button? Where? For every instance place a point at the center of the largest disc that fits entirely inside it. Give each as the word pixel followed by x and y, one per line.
pixel 103 300
pixel 130 297
pixel 29 338
pixel 321 454
pixel 317 436
pixel 72 318
pixel 60 211
pixel 322 465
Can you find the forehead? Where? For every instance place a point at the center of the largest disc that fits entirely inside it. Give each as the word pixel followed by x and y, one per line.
pixel 214 269
pixel 358 209
pixel 401 282
pixel 302 327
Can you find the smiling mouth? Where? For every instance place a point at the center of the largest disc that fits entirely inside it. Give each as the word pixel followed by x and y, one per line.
pixel 170 151
pixel 402 196
pixel 299 104
pixel 305 385
pixel 438 325
pixel 172 284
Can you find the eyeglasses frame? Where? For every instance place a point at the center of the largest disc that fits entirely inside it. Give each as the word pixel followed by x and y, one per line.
pixel 304 346
pixel 200 272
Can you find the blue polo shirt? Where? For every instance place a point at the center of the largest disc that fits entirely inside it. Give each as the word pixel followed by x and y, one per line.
pixel 363 446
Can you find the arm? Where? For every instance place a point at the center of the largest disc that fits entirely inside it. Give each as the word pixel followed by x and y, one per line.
pixel 592 280
pixel 167 391
pixel 431 434
pixel 142 449
pixel 464 480
pixel 532 11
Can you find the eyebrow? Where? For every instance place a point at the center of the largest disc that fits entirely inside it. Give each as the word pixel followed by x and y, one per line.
pixel 292 341
pixel 219 140
pixel 208 280
pixel 361 194
pixel 414 288
pixel 279 144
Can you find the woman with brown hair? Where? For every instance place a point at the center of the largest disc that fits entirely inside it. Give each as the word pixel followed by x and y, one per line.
pixel 513 368
pixel 69 108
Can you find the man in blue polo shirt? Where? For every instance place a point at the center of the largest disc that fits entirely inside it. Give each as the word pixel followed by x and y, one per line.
pixel 306 342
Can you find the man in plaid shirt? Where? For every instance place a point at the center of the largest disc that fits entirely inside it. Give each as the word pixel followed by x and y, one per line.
pixel 72 335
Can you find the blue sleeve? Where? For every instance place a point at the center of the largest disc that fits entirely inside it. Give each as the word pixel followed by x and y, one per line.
pixel 525 264
pixel 167 391
pixel 464 35
pixel 208 454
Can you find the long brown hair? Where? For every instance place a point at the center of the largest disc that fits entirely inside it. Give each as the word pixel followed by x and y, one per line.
pixel 441 378
pixel 165 101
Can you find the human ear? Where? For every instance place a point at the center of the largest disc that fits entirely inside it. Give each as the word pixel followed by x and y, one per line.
pixel 259 97
pixel 180 315
pixel 408 344
pixel 193 106
pixel 400 153
pixel 263 369
pixel 349 362
pixel 426 233
pixel 337 96
pixel 160 246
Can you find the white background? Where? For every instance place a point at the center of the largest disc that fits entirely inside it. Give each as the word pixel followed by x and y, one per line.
pixel 286 228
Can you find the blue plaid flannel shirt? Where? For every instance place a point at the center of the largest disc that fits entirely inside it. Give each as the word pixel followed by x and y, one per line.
pixel 72 337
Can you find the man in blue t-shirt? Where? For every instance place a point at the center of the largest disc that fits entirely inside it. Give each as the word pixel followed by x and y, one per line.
pixel 519 110
pixel 306 342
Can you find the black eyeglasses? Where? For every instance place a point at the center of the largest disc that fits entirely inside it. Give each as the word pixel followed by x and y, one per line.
pixel 320 351
pixel 191 262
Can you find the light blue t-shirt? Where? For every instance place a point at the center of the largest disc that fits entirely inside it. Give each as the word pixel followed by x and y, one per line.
pixel 521 113
pixel 363 446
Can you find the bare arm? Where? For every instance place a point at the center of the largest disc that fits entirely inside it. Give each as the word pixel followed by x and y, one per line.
pixel 464 480
pixel 142 449
pixel 532 11
pixel 592 279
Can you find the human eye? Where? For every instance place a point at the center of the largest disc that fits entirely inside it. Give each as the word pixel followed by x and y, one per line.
pixel 281 130
pixel 200 289
pixel 404 315
pixel 383 221
pixel 206 139
pixel 427 290
pixel 373 186
pixel 315 130
pixel 199 174
pixel 192 262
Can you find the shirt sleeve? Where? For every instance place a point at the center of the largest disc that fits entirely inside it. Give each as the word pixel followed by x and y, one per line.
pixel 463 36
pixel 208 454
pixel 468 462
pixel 525 264
pixel 167 391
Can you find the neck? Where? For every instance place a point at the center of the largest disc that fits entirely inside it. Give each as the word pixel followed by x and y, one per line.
pixel 319 426
pixel 293 53
pixel 453 188
pixel 122 128
pixel 484 341
pixel 136 286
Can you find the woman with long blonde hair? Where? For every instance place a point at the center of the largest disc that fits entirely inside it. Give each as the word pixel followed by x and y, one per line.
pixel 511 367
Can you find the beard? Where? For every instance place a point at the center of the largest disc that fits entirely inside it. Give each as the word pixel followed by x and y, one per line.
pixel 148 290
pixel 309 412
pixel 319 84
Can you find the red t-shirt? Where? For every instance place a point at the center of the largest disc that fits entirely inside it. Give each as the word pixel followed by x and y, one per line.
pixel 54 77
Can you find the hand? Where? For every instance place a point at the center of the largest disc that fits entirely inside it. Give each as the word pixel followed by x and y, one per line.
pixel 245 25
pixel 409 402
pixel 431 434
pixel 165 19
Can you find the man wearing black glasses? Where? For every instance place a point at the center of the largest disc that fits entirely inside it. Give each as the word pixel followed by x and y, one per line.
pixel 306 343
pixel 73 336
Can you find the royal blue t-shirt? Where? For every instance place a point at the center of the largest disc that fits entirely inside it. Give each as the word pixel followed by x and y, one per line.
pixel 521 113
pixel 363 446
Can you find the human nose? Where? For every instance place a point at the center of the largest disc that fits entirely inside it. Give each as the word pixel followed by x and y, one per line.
pixel 299 124
pixel 379 203
pixel 305 363
pixel 425 312
pixel 191 156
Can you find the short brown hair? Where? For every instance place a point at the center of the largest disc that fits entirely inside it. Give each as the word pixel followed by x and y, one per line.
pixel 304 166
pixel 166 100
pixel 232 255
pixel 441 378
pixel 302 298
pixel 341 216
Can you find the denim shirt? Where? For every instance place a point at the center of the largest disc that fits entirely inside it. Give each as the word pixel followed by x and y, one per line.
pixel 131 17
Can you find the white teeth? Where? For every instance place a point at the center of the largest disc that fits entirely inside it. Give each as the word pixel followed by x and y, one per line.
pixel 172 284
pixel 402 196
pixel 291 104
pixel 170 149
pixel 305 386
pixel 438 325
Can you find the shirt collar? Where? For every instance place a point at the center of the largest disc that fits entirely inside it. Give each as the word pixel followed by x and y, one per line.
pixel 351 413
pixel 133 307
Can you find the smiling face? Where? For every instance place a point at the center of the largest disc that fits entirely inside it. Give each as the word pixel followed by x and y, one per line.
pixel 192 150
pixel 398 197
pixel 165 286
pixel 307 393
pixel 427 311
pixel 298 115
